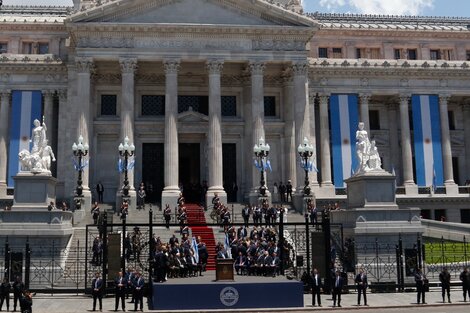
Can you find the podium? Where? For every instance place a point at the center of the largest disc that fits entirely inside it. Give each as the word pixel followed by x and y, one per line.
pixel 224 269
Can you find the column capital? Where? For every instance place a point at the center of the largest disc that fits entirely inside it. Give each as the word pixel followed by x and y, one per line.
pixel 443 99
pixel 48 93
pixel 5 93
pixel 324 97
pixel 214 67
pixel 404 98
pixel 257 68
pixel 128 65
pixel 300 68
pixel 171 66
pixel 84 65
pixel 365 97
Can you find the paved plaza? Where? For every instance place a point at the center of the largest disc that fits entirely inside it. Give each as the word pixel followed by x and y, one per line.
pixel 378 302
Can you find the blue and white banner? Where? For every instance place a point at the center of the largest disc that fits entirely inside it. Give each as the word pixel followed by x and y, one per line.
pixel 344 118
pixel 427 140
pixel 26 107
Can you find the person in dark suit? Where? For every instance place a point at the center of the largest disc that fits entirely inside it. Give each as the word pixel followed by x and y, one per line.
pixel 246 215
pixel 139 292
pixel 18 288
pixel 421 281
pixel 97 291
pixel 361 284
pixel 120 285
pixel 5 289
pixel 100 191
pixel 240 263
pixel 316 285
pixel 167 215
pixel 288 191
pixel 337 288
pixel 273 266
pixel 444 278
pixel 465 279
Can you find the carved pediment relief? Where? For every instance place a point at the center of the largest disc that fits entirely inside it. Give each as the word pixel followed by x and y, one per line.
pixel 203 12
pixel 192 117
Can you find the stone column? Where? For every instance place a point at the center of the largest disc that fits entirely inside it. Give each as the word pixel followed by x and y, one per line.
pixel 466 126
pixel 364 109
pixel 451 186
pixel 4 142
pixel 84 67
pixel 313 141
pixel 325 169
pixel 393 140
pixel 49 113
pixel 289 131
pixel 214 137
pixel 407 158
pixel 301 116
pixel 257 112
pixel 171 174
pixel 128 69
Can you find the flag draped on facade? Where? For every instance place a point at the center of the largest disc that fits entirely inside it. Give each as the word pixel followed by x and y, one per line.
pixel 26 107
pixel 427 140
pixel 344 118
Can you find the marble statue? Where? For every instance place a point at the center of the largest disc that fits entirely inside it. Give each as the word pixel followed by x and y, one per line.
pixel 39 159
pixel 366 152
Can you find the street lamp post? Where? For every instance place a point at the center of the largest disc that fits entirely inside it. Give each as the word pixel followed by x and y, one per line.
pixel 126 151
pixel 261 151
pixel 306 152
pixel 80 150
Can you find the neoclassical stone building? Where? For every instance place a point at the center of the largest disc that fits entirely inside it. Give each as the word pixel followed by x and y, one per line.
pixel 194 84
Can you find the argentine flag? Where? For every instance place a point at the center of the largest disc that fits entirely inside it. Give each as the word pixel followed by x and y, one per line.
pixel 344 118
pixel 427 140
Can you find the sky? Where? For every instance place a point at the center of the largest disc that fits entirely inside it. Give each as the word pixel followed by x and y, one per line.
pixel 394 7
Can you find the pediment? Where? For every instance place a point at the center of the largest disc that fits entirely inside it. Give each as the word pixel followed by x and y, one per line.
pixel 201 12
pixel 192 116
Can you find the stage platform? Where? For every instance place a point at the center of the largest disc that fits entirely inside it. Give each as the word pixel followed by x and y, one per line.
pixel 246 292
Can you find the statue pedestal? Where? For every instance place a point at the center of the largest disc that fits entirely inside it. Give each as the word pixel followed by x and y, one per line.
pixel 254 197
pixel 373 215
pixel 300 201
pixel 34 192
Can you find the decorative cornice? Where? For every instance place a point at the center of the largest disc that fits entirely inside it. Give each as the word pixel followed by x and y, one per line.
pixel 108 78
pixel 171 66
pixel 214 67
pixel 150 78
pixel 29 59
pixel 128 65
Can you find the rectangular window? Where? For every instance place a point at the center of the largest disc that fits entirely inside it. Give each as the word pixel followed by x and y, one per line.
pixel 447 54
pixel 153 105
pixel 468 55
pixel 229 105
pixel 465 216
pixel 3 47
pixel 337 53
pixel 412 55
pixel 374 120
pixel 440 215
pixel 108 105
pixel 270 106
pixel 451 120
pixel 198 104
pixel 435 55
pixel 43 48
pixel 323 52
pixel 397 54
pixel 359 53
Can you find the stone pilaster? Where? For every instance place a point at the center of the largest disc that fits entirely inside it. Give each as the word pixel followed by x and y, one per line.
pixel 393 139
pixel 214 138
pixel 84 68
pixel 171 173
pixel 128 69
pixel 313 141
pixel 466 126
pixel 49 113
pixel 451 186
pixel 64 149
pixel 364 110
pixel 407 158
pixel 289 131
pixel 5 96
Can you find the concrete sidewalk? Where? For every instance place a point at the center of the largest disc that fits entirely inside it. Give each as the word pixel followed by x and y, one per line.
pixel 72 303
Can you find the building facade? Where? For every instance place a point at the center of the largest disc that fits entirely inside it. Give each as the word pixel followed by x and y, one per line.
pixel 195 84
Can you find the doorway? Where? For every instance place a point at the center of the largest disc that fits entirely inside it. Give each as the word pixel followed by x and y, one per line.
pixel 190 171
pixel 153 171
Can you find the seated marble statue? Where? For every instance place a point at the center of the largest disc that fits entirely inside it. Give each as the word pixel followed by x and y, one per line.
pixel 375 163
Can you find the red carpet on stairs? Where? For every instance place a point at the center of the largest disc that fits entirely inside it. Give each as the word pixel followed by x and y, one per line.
pixel 196 216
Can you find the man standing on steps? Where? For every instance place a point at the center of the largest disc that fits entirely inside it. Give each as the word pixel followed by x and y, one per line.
pixel 100 191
